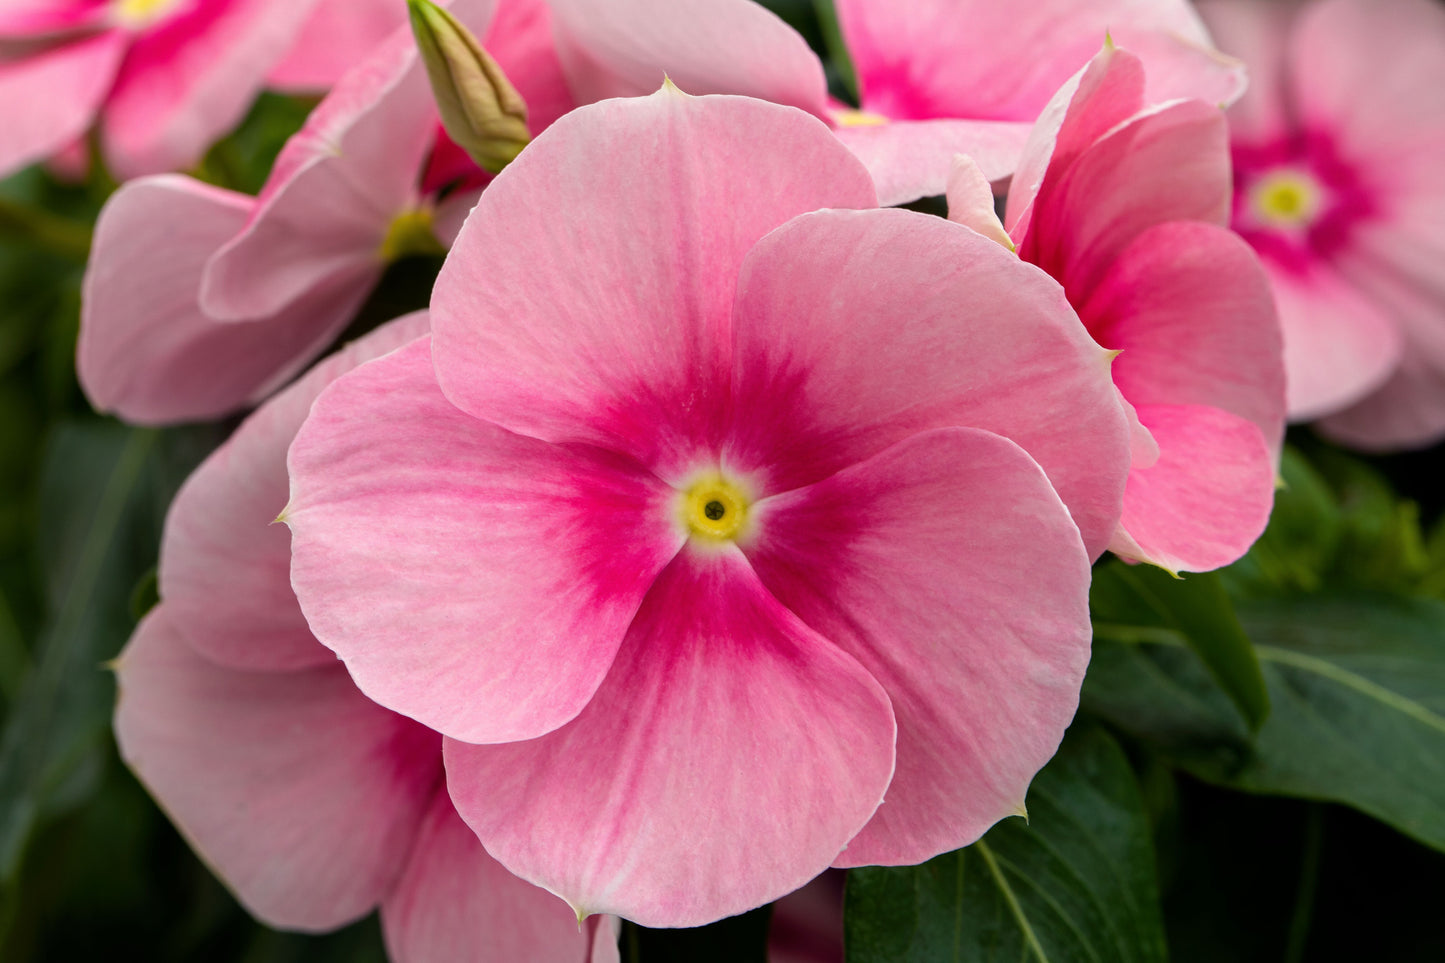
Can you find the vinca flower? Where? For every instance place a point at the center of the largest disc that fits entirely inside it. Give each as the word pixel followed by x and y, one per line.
pixel 727 526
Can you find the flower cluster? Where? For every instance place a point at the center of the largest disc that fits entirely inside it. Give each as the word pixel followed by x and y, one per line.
pixel 720 522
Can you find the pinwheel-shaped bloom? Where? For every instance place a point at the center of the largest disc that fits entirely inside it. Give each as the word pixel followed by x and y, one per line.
pixel 199 300
pixel 164 78
pixel 1125 206
pixel 313 803
pixel 703 521
pixel 936 77
pixel 1339 157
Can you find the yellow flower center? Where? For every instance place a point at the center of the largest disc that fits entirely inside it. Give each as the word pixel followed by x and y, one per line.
pixel 138 13
pixel 848 117
pixel 411 233
pixel 714 509
pixel 1286 198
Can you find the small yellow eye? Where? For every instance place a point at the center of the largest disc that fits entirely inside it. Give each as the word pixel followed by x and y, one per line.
pixel 1286 198
pixel 714 508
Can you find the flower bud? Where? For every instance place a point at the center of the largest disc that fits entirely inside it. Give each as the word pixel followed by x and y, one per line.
pixel 482 111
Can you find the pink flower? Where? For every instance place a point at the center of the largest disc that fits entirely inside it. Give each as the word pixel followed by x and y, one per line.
pixel 1339 155
pixel 337 36
pixel 703 521
pixel 198 300
pixel 163 78
pixel 1124 206
pixel 937 77
pixel 314 804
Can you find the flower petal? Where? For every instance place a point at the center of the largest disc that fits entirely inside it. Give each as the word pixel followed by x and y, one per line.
pixel 728 757
pixel 1258 34
pixel 456 904
pixel 899 322
pixel 49 98
pixel 338 35
pixel 949 568
pixel 1190 308
pixel 473 579
pixel 623 48
pixel 225 568
pixel 146 351
pixel 191 78
pixel 604 317
pixel 911 159
pixel 304 795
pixel 1206 499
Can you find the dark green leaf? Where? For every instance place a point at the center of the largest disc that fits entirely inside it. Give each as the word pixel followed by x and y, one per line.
pixel 1075 883
pixel 1125 598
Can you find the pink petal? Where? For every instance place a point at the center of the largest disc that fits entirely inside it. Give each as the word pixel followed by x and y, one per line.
pixel 971 202
pixel 146 351
pixel 473 579
pixel 914 564
pixel 1190 308
pixel 334 192
pixel 911 159
pixel 623 48
pixel 49 98
pixel 1257 33
pixel 39 21
pixel 1206 499
pixel 303 795
pixel 1169 164
pixel 338 35
pixel 1338 346
pixel 456 904
pixel 983 60
pixel 899 322
pixel 727 758
pixel 225 568
pixel 603 316
pixel 188 80
pixel 1370 74
pixel 522 43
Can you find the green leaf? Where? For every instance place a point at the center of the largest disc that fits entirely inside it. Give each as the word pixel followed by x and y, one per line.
pixel 1075 883
pixel 1125 598
pixel 1357 685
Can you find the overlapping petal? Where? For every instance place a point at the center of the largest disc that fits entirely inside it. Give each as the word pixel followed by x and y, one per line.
pixel 225 569
pixel 725 761
pixel 50 97
pixel 910 159
pixel 301 792
pixel 338 35
pixel 944 328
pixel 629 348
pixel 146 351
pixel 476 580
pixel 456 904
pixel 912 562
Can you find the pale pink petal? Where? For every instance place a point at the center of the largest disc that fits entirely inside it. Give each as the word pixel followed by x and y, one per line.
pixel 416 555
pixel 225 568
pixel 335 190
pixel 727 758
pixel 521 41
pixel 1169 164
pixel 1258 34
pixel 971 201
pixel 985 60
pixel 1206 499
pixel 40 21
pixel 1371 75
pixel 623 48
pixel 456 904
pixel 943 328
pixel 49 98
pixel 338 35
pixel 1190 308
pixel 629 347
pixel 911 159
pixel 1338 346
pixel 605 932
pixel 1179 68
pixel 190 79
pixel 912 563
pixel 146 351
pixel 1106 92
pixel 302 794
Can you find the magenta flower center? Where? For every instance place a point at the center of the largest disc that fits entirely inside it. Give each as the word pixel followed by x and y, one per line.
pixel 1297 201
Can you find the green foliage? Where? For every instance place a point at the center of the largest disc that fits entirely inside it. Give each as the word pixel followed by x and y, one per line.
pixel 1076 882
